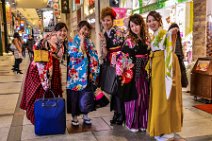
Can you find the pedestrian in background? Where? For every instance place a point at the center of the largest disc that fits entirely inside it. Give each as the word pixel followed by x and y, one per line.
pixel 83 70
pixel 17 50
pixel 112 38
pixel 136 93
pixel 30 43
pixel 42 76
pixel 165 111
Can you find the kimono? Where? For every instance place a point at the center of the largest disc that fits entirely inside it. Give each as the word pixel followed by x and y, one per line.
pixel 136 93
pixel 112 42
pixel 114 39
pixel 80 69
pixel 40 77
pixel 165 111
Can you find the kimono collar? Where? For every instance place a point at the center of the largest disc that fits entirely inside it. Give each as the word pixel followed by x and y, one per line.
pixel 157 31
pixel 108 33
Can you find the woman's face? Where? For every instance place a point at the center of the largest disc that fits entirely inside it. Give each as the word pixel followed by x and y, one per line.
pixel 61 34
pixel 152 23
pixel 107 22
pixel 85 31
pixel 136 29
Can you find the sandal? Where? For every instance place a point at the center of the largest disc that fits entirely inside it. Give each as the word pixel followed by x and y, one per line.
pixel 75 123
pixel 87 121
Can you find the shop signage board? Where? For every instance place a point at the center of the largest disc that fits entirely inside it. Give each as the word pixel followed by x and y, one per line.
pixel 114 3
pixel 122 14
pixel 151 5
pixel 65 6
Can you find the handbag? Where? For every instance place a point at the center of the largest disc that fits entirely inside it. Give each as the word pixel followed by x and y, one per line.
pixel 100 99
pixel 41 56
pixel 50 116
pixel 86 102
pixel 108 79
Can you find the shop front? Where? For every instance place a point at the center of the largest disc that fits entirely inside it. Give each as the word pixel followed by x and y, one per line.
pixel 173 11
pixel 89 15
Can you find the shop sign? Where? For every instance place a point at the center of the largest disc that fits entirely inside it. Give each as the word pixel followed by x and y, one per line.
pixel 77 1
pixel 48 21
pixel 65 6
pixel 151 7
pixel 148 2
pixel 91 4
pixel 126 3
pixel 121 19
pixel 119 22
pixel 120 12
pixel 56 9
pixel 179 1
pixel 114 3
pixel 8 14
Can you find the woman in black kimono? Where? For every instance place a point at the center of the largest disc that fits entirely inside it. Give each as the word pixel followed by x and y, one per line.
pixel 112 39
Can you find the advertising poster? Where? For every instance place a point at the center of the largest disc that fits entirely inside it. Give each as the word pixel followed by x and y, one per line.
pixel 48 21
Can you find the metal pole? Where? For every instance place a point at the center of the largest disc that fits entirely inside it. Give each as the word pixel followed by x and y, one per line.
pixel 97 26
pixel 5 25
pixel 1 53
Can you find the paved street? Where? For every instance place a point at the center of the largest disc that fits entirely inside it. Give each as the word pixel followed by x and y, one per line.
pixel 14 126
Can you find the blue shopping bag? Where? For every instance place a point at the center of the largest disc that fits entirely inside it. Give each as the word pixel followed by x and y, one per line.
pixel 50 116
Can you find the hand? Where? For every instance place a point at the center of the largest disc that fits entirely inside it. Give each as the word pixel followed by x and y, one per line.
pixel 174 30
pixel 148 42
pixel 105 52
pixel 82 36
pixel 90 76
pixel 101 36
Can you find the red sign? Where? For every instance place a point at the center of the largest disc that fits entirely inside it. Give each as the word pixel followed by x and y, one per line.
pixel 77 1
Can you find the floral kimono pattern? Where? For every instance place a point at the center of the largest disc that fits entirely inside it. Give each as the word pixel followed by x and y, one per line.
pixel 80 65
pixel 45 68
pixel 113 39
pixel 162 40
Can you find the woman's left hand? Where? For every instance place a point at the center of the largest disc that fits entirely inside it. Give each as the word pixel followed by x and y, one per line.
pixel 90 76
pixel 174 30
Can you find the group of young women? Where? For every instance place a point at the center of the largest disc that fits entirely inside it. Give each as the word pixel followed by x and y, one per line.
pixel 151 102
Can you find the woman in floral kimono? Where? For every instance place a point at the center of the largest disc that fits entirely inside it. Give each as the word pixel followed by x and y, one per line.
pixel 111 39
pixel 136 92
pixel 165 111
pixel 83 69
pixel 42 76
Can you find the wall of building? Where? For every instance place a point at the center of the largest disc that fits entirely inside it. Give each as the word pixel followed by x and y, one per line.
pixel 199 29
pixel 209 28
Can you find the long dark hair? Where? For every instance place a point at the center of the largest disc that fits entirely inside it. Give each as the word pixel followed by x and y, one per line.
pixel 82 24
pixel 173 25
pixel 59 26
pixel 16 35
pixel 156 15
pixel 138 20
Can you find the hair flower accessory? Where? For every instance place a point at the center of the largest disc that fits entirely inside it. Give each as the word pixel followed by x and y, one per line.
pixel 113 14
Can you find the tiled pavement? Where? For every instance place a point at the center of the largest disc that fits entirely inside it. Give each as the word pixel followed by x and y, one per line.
pixel 14 126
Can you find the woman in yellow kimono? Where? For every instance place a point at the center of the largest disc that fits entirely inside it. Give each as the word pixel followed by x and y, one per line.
pixel 165 111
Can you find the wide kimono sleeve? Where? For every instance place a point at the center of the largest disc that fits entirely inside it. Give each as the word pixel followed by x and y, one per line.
pixel 77 67
pixel 94 67
pixel 43 68
pixel 127 46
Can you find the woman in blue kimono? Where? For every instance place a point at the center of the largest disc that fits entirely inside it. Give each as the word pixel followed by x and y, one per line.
pixel 83 69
